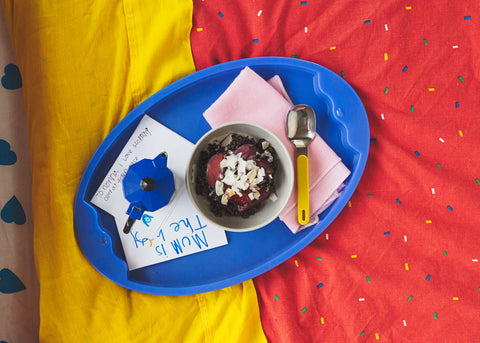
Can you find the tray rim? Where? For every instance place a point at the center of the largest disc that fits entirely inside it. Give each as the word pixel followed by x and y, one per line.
pixel 82 207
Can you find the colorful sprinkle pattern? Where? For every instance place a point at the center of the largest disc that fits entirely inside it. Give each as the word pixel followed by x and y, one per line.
pixel 412 66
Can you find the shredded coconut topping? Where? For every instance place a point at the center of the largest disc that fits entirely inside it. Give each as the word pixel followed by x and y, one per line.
pixel 240 176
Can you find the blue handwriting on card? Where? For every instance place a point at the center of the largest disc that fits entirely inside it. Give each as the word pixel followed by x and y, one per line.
pixel 173 231
pixel 180 237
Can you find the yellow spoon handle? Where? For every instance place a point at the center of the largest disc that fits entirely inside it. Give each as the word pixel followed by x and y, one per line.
pixel 302 189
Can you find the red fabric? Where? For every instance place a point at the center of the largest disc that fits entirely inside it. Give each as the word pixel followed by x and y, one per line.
pixel 402 261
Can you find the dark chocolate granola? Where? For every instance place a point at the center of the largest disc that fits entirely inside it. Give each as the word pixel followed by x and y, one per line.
pixel 202 187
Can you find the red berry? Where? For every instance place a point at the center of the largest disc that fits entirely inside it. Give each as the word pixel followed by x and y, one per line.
pixel 266 166
pixel 244 202
pixel 214 172
pixel 264 192
pixel 247 151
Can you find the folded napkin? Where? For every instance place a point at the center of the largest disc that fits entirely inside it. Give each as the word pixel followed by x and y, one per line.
pixel 250 98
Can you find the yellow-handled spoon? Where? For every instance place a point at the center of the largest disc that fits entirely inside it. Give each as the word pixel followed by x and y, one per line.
pixel 301 126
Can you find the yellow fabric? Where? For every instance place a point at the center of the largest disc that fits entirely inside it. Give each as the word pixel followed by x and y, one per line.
pixel 85 65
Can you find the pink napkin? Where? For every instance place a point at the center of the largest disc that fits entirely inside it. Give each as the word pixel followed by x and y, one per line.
pixel 251 98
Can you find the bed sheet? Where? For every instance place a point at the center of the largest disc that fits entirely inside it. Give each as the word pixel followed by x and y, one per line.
pixel 19 301
pixel 401 262
pixel 84 66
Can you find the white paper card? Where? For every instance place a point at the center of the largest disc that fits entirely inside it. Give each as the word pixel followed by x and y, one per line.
pixel 176 229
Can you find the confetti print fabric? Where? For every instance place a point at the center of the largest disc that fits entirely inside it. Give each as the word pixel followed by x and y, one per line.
pixel 401 262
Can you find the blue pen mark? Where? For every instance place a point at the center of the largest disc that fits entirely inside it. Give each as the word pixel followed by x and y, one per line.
pixel 160 253
pixel 186 224
pixel 187 240
pixel 200 226
pixel 177 238
pixel 177 246
pixel 146 219
pixel 198 241
pixel 160 233
pixel 137 240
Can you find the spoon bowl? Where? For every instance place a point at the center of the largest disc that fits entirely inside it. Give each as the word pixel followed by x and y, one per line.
pixel 301 128
pixel 301 125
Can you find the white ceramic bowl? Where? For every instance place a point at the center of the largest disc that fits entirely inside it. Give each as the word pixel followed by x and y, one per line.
pixel 268 210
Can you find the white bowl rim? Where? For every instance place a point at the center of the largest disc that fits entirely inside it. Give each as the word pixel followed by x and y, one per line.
pixel 288 164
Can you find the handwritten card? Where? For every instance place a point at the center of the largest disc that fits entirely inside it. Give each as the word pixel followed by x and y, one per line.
pixel 176 229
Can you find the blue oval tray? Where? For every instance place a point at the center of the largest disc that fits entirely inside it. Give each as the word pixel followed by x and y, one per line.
pixel 341 121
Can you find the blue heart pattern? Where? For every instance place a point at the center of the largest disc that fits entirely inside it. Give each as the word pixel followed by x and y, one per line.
pixel 7 156
pixel 12 78
pixel 13 212
pixel 9 282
